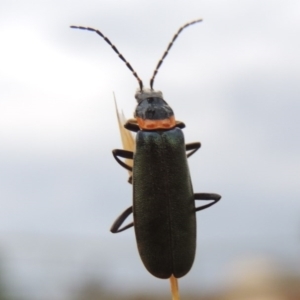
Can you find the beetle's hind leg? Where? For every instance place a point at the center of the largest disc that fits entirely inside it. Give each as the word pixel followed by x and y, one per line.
pixel 192 146
pixel 119 221
pixel 206 196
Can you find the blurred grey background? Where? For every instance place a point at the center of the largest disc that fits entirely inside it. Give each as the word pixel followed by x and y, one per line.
pixel 233 79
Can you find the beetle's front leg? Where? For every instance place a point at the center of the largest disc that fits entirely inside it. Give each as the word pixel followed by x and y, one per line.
pixel 119 221
pixel 206 196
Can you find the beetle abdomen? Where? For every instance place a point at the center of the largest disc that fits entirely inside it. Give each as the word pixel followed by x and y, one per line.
pixel 163 203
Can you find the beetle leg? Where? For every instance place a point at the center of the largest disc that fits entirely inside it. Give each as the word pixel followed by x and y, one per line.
pixel 117 224
pixel 132 125
pixel 124 154
pixel 192 146
pixel 180 124
pixel 206 196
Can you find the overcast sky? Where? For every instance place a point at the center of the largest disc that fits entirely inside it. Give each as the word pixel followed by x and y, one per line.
pixel 234 79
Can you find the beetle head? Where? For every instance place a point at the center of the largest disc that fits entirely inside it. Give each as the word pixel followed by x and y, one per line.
pixel 152 111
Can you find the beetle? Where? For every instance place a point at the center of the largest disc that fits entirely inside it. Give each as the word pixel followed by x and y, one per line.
pixel 164 210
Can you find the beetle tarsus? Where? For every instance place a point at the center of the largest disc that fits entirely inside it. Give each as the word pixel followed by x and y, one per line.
pixel 119 221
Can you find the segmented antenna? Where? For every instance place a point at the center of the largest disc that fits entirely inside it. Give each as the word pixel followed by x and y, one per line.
pixel 169 47
pixel 115 49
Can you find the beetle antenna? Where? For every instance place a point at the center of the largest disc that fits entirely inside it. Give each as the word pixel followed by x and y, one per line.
pixel 115 49
pixel 169 47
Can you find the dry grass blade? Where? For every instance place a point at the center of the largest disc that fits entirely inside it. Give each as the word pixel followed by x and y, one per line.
pixel 174 288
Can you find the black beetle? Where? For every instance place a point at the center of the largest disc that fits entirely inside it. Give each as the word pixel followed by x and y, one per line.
pixel 164 211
